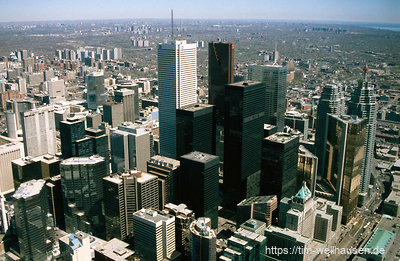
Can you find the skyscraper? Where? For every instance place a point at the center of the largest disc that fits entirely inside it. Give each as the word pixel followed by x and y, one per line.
pixel 274 79
pixel 279 165
pixel 83 202
pixel 200 181
pixel 113 113
pixel 124 194
pixel 130 102
pixel 203 240
pixel 331 101
pixel 220 73
pixel 32 220
pixel 363 104
pixel 244 121
pixel 130 147
pixel 71 130
pixel 177 81
pixel 8 153
pixel 39 131
pixel 344 159
pixel 96 93
pixel 154 234
pixel 195 128
pixel 166 170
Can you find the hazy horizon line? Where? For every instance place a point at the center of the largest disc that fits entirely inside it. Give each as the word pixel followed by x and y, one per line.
pixel 316 21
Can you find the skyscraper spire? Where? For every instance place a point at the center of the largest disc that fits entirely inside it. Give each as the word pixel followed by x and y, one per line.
pixel 365 70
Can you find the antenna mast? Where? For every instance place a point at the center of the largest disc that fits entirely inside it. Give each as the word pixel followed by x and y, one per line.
pixel 172 24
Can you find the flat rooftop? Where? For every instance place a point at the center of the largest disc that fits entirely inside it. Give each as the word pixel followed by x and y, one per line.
pixel 165 161
pixel 83 160
pixel 381 239
pixel 281 137
pixel 199 157
pixel 153 216
pixel 257 199
pixel 29 189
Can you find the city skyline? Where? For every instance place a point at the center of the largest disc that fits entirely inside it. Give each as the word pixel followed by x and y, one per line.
pixel 339 11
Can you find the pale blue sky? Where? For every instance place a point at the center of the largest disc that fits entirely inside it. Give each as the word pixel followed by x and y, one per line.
pixel 383 11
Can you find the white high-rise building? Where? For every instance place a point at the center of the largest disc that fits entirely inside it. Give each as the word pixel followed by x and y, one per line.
pixel 39 132
pixel 8 153
pixel 177 81
pixel 56 89
pixel 154 234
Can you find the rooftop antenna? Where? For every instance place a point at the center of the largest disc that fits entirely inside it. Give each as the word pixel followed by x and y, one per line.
pixel 276 47
pixel 172 24
pixel 365 69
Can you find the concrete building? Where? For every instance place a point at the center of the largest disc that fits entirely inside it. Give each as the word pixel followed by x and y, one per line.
pixel 154 234
pixel 33 221
pixel 262 208
pixel 274 79
pixel 245 245
pixel 177 81
pixel 39 131
pixel 166 170
pixel 297 121
pixel 96 93
pixel 113 113
pixel 298 213
pixel 183 218
pixel 129 99
pixel 281 238
pixel 363 104
pixel 130 147
pixel 76 246
pixel 8 153
pixel 56 89
pixel 203 240
pixel 124 194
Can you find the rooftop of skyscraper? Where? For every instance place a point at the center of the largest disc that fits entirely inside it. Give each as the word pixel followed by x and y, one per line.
pixel 140 176
pixel 153 216
pixel 199 227
pixel 29 189
pixel 281 137
pixel 257 199
pixel 199 157
pixel 83 160
pixel 165 161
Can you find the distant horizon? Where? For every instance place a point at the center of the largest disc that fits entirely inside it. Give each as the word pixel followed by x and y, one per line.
pixel 343 11
pixel 177 19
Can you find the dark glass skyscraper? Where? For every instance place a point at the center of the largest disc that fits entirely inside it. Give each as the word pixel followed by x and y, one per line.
pixel 279 165
pixel 331 101
pixel 244 130
pixel 195 129
pixel 274 79
pixel 220 73
pixel 200 181
pixel 344 159
pixel 363 104
pixel 34 228
pixel 71 130
pixel 82 183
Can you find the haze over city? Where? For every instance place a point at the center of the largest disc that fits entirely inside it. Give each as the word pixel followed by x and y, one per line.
pixel 245 130
pixel 385 11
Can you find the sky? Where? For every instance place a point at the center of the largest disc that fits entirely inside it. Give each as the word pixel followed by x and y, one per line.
pixel 367 11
